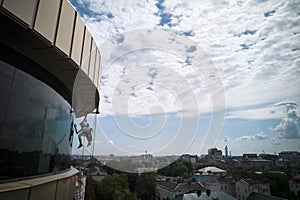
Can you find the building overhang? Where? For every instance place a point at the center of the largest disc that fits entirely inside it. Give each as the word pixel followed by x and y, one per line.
pixel 80 90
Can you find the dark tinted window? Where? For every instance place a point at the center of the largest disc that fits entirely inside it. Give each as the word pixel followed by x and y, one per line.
pixel 35 125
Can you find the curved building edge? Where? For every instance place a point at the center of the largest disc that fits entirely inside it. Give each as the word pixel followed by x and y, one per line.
pixel 50 69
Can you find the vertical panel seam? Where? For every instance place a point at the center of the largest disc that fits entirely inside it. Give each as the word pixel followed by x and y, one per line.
pixel 95 62
pixel 1 3
pixel 90 52
pixel 29 193
pixel 83 38
pixel 57 21
pixel 35 12
pixel 73 33
pixel 56 187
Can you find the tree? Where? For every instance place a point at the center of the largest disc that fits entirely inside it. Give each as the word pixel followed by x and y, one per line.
pixel 90 192
pixel 132 178
pixel 177 168
pixel 111 187
pixel 145 186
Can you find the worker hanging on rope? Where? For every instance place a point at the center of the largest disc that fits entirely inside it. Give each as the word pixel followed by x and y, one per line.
pixel 85 131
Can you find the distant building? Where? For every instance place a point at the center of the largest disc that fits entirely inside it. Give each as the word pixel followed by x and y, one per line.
pixel 258 164
pixel 189 158
pixel 245 187
pixel 214 152
pixel 214 155
pixel 291 156
pixel 294 185
pixel 170 189
pixel 286 154
pixel 226 151
pixel 249 156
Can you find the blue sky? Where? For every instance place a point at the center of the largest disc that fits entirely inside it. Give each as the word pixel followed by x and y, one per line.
pixel 180 77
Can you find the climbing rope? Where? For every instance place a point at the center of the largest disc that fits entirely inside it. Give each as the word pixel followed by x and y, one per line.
pixel 94 136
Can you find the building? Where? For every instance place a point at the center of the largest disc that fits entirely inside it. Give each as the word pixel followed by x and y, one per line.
pixel 294 185
pixel 291 156
pixel 259 164
pixel 252 161
pixel 249 156
pixel 169 189
pixel 228 185
pixel 214 156
pixel 49 73
pixel 214 152
pixel 212 170
pixel 204 196
pixel 259 196
pixel 226 151
pixel 216 184
pixel 245 187
pixel 204 178
pixel 189 158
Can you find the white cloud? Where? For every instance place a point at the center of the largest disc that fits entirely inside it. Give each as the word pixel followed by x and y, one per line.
pixel 265 112
pixel 258 136
pixel 288 127
pixel 256 53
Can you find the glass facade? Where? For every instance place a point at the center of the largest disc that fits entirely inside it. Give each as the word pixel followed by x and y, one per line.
pixel 35 124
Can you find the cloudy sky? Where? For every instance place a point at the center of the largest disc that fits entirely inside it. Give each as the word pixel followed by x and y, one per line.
pixel 183 76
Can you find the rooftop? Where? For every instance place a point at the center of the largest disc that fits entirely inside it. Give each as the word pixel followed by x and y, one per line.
pixel 203 196
pixel 204 178
pixel 295 179
pixel 259 196
pixel 252 182
pixel 211 169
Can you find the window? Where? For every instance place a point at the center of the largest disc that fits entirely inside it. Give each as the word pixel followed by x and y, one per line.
pixel 36 125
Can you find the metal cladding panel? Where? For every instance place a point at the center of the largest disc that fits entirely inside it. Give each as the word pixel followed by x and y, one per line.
pixel 46 19
pixel 85 97
pixel 85 60
pixel 22 9
pixel 63 189
pixel 77 40
pixel 97 69
pixel 43 191
pixel 65 28
pixel 92 61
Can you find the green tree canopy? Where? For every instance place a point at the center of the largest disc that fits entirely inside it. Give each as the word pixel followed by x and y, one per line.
pixel 145 186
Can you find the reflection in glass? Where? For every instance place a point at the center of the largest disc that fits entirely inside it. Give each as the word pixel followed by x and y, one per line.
pixel 35 124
